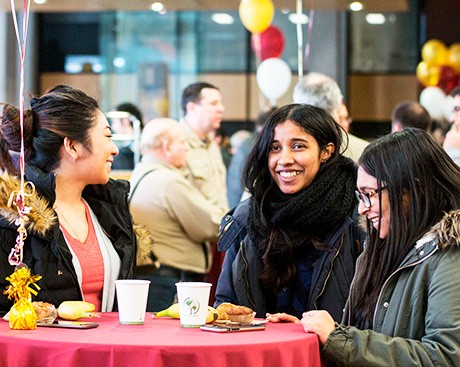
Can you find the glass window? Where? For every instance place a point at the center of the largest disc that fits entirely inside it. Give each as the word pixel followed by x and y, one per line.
pixel 384 42
pixel 221 47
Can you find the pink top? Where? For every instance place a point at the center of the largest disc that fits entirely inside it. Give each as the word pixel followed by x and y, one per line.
pixel 91 262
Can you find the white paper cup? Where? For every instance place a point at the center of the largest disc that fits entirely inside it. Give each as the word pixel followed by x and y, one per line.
pixel 193 298
pixel 132 297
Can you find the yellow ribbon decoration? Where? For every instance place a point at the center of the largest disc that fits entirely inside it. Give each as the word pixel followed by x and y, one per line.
pixel 22 314
pixel 21 281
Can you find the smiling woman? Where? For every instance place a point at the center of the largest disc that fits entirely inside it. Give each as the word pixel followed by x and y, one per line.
pixel 295 157
pixel 292 247
pixel 68 158
pixel 403 307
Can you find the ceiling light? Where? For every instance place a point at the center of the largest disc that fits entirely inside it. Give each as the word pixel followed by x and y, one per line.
pixel 119 62
pixel 222 18
pixel 39 2
pixel 375 18
pixel 157 7
pixel 356 6
pixel 97 68
pixel 296 18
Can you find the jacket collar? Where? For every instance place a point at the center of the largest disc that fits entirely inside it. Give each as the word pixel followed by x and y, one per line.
pixel 192 138
pixel 447 230
pixel 444 234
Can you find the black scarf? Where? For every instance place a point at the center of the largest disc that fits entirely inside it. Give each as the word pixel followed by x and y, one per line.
pixel 284 227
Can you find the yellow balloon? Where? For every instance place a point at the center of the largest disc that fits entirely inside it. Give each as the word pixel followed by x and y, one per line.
pixel 454 57
pixel 256 15
pixel 434 53
pixel 428 75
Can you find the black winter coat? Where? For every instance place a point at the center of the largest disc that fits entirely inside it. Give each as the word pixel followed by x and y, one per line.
pixel 332 274
pixel 45 250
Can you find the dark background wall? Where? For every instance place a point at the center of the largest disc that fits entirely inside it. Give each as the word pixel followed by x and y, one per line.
pixel 442 20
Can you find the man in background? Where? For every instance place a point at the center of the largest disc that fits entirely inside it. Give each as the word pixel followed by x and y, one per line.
pixel 322 91
pixel 410 114
pixel 175 213
pixel 203 109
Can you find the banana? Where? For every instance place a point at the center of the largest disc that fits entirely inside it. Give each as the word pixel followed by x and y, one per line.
pixel 173 311
pixel 73 310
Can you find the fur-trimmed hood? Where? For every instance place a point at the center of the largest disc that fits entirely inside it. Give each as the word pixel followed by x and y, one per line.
pixel 145 241
pixel 42 217
pixel 447 230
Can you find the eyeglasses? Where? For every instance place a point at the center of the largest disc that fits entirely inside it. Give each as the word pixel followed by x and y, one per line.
pixel 365 197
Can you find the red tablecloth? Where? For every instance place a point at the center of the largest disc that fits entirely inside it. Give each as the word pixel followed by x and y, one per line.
pixel 159 342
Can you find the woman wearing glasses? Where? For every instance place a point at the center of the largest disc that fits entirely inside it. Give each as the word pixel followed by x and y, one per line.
pixel 292 246
pixel 404 305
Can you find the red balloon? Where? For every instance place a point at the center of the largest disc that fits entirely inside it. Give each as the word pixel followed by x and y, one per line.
pixel 448 80
pixel 269 43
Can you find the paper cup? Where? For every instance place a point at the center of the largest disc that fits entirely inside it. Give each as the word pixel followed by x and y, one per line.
pixel 132 297
pixel 193 298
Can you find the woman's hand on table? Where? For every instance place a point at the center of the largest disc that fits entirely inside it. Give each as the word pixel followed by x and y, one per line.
pixel 282 317
pixel 319 322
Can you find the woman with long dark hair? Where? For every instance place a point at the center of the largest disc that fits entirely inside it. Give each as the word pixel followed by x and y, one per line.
pixel 292 246
pixel 404 304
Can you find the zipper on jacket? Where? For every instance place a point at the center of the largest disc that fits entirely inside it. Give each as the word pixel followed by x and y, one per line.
pixel 223 230
pixel 411 265
pixel 69 267
pixel 246 263
pixel 328 274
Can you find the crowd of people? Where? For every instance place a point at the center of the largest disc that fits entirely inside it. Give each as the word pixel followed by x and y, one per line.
pixel 355 241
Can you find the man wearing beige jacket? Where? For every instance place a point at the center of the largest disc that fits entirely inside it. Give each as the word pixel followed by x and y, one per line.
pixel 179 217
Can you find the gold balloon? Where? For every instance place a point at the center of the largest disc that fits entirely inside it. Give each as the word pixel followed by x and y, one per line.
pixel 434 53
pixel 454 57
pixel 428 75
pixel 256 15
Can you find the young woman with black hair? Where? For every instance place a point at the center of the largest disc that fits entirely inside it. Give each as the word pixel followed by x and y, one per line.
pixel 404 304
pixel 292 246
pixel 80 235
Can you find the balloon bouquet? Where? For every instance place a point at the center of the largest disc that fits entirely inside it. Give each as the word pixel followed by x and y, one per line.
pixel 439 74
pixel 273 74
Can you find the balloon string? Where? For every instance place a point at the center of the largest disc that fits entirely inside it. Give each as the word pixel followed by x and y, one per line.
pixel 299 39
pixel 16 255
pixel 310 30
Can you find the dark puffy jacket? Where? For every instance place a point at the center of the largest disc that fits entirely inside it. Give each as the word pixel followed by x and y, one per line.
pixel 45 250
pixel 332 274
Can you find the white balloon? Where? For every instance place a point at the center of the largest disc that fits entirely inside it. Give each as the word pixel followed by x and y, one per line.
pixel 274 78
pixel 433 99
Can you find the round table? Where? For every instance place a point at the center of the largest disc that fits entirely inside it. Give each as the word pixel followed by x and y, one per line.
pixel 158 342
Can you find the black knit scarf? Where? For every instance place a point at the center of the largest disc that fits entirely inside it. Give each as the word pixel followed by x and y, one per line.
pixel 285 227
